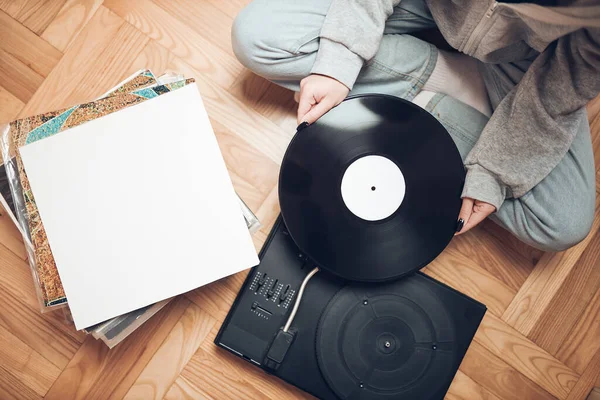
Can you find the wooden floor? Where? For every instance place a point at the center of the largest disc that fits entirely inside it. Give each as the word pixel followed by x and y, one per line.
pixel 539 340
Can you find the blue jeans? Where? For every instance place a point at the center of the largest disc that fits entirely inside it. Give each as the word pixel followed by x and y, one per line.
pixel 279 40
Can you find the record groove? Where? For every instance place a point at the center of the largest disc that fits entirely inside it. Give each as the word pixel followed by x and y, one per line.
pixel 408 224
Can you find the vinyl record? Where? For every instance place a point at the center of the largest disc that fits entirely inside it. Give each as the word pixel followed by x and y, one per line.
pixel 371 191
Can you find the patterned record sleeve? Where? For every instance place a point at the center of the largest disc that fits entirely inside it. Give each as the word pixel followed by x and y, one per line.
pixel 21 132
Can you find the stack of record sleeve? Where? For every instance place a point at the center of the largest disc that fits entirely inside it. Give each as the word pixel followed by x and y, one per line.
pixel 18 202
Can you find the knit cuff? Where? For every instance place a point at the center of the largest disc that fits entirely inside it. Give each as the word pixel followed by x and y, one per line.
pixel 481 185
pixel 336 61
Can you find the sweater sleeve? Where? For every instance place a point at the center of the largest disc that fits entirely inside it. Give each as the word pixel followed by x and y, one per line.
pixel 350 36
pixel 533 126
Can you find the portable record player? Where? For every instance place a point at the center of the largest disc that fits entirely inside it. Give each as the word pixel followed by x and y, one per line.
pixel 336 306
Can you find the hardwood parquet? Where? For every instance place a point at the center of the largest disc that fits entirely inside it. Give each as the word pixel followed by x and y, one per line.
pixel 539 340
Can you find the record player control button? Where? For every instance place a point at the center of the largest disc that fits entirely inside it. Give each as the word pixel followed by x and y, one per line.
pixel 262 279
pixel 284 293
pixel 272 289
pixel 254 305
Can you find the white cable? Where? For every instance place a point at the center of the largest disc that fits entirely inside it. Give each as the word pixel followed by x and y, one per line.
pixel 298 298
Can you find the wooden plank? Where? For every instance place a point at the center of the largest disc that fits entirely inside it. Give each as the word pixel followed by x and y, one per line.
pixel 18 78
pixel 203 17
pixel 16 278
pixel 178 38
pixel 593 110
pixel 583 342
pixel 13 389
pixel 173 355
pixel 511 243
pixel 10 106
pixel 588 379
pixel 153 57
pixel 230 7
pixel 12 7
pixel 499 260
pixel 226 376
pixel 215 298
pixel 16 281
pixel 496 376
pixel 10 235
pixel 460 272
pixel 183 389
pixel 70 73
pixel 37 331
pixel 25 364
pixel 267 214
pixel 37 14
pixel 248 163
pixel 26 46
pixel 465 388
pixel 106 71
pixel 525 356
pixel 569 301
pixel 97 373
pixel 69 21
pixel 273 101
pixel 258 131
pixel 542 284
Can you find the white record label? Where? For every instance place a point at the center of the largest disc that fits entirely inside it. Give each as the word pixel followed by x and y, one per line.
pixel 373 187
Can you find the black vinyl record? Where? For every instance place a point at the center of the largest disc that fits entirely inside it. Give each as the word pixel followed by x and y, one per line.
pixel 371 191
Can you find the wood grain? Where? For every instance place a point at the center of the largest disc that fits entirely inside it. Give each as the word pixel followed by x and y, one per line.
pixel 26 364
pixel 27 47
pixel 570 300
pixel 9 234
pixel 154 57
pixel 10 106
pixel 183 389
pixel 459 272
pixel 215 298
pixel 525 356
pixel 229 377
pixel 231 7
pixel 183 340
pixel 258 131
pixel 37 14
pixel 12 388
pixel 127 42
pixel 37 331
pixel 508 266
pixel 583 340
pixel 97 373
pixel 12 7
pixel 17 78
pixel 178 38
pixel 539 339
pixel 69 21
pixel 71 72
pixel 588 379
pixel 204 18
pixel 542 284
pixel 495 375
pixel 465 388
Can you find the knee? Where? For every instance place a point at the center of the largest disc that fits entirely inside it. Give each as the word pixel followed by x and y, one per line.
pixel 567 231
pixel 250 34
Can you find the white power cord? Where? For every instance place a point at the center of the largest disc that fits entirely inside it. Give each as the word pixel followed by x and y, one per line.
pixel 298 298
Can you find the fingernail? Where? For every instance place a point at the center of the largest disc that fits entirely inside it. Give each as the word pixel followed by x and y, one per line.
pixel 302 126
pixel 459 224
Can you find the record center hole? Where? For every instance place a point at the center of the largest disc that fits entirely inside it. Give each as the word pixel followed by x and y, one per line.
pixel 373 188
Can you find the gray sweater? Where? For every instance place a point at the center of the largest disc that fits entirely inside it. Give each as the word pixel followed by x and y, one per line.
pixel 532 128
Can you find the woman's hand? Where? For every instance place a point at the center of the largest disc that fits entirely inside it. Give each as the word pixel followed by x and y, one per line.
pixel 319 94
pixel 472 213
